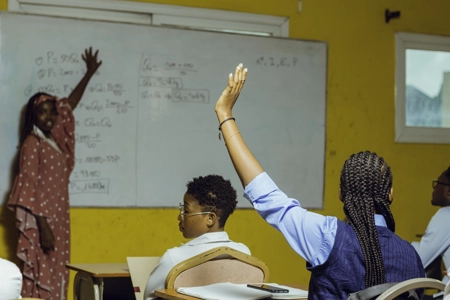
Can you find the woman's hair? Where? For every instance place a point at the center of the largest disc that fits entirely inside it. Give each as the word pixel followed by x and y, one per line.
pixel 366 181
pixel 29 117
pixel 214 194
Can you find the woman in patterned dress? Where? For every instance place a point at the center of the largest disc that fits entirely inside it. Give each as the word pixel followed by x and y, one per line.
pixel 40 194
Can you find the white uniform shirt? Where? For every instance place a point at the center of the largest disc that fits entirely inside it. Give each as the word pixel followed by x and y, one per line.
pixel 176 255
pixel 10 280
pixel 436 240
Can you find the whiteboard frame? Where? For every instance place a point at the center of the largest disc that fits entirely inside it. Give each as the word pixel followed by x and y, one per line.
pixel 155 14
pixel 403 133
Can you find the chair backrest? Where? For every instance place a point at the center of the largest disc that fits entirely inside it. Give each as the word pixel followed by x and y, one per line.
pixel 222 264
pixel 411 284
pixel 140 269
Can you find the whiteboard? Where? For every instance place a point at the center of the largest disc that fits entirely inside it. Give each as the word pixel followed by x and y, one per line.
pixel 146 124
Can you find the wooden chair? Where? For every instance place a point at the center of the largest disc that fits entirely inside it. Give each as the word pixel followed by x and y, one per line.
pixel 411 284
pixel 222 264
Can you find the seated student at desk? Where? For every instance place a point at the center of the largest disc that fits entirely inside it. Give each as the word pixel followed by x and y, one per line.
pixel 343 257
pixel 207 204
pixel 436 241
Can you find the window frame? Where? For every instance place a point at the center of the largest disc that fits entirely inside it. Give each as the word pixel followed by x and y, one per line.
pixel 403 133
pixel 154 14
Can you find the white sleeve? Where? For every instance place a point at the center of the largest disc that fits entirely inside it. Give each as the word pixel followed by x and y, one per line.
pixel 436 239
pixel 158 276
pixel 447 288
pixel 10 280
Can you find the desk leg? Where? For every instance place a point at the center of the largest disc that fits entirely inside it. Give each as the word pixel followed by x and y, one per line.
pixel 87 287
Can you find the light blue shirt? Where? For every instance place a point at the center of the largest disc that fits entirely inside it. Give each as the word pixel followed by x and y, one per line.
pixel 311 235
pixel 436 240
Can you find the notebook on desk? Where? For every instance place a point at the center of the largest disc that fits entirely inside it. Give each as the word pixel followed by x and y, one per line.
pixel 224 291
pixel 140 269
pixel 231 291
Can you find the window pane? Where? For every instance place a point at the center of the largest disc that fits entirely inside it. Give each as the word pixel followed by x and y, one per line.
pixel 427 88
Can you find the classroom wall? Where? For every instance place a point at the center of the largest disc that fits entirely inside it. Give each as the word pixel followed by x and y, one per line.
pixel 360 116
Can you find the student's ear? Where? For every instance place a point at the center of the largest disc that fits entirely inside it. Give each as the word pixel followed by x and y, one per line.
pixel 340 194
pixel 391 195
pixel 212 218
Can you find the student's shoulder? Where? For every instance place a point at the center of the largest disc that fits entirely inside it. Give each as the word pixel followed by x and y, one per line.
pixel 240 247
pixel 31 138
pixel 9 267
pixel 444 210
pixel 31 141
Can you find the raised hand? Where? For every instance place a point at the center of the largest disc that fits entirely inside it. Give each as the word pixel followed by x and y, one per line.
pixel 92 65
pixel 245 164
pixel 226 101
pixel 91 60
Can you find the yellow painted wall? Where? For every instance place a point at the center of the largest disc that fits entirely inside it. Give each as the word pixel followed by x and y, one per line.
pixel 360 116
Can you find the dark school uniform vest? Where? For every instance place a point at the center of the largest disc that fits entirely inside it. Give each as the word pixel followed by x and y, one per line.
pixel 343 272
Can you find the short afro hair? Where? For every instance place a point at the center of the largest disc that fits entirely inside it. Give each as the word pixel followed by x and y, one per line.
pixel 447 173
pixel 215 194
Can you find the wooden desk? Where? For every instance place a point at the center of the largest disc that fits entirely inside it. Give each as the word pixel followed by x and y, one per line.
pixel 102 281
pixel 172 294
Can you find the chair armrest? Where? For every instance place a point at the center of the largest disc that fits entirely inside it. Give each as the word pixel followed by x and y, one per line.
pixel 411 284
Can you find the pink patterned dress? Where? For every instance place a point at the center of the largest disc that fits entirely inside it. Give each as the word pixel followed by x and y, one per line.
pixel 41 189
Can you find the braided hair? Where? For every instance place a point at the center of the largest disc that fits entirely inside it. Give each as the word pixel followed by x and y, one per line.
pixel 214 194
pixel 366 181
pixel 29 117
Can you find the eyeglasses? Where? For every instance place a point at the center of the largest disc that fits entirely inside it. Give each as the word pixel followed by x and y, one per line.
pixel 436 182
pixel 183 214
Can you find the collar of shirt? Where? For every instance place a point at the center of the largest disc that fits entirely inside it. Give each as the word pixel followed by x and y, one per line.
pixel 49 140
pixel 380 221
pixel 209 237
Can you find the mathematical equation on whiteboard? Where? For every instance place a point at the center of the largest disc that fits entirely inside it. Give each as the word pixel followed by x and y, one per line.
pixel 110 105
pixel 107 106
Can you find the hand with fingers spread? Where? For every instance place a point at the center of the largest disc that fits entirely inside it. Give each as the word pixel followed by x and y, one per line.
pixel 91 61
pixel 92 64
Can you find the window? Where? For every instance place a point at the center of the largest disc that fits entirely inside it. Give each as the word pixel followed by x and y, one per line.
pixel 422 108
pixel 157 14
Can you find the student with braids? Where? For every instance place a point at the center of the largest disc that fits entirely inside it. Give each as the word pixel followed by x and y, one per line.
pixel 207 204
pixel 40 194
pixel 343 257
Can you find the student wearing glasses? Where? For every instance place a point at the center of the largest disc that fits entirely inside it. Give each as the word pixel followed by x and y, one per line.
pixel 207 204
pixel 436 241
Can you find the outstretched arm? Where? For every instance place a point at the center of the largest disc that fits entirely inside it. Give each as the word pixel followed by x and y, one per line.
pixel 245 164
pixel 92 65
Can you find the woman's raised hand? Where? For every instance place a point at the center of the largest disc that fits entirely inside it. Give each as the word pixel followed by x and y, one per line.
pixel 91 60
pixel 224 105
